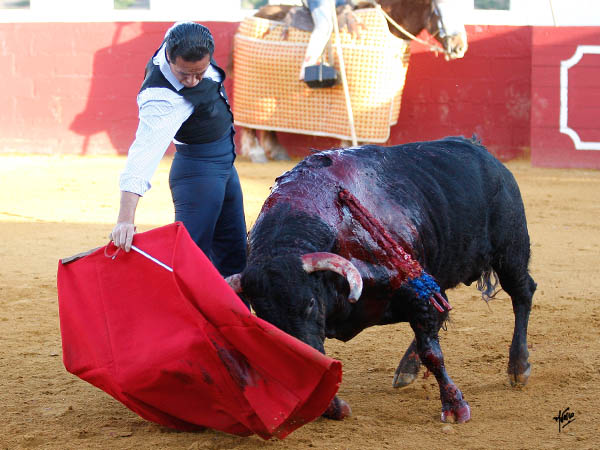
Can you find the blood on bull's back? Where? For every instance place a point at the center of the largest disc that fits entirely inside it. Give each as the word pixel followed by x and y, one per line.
pixel 447 202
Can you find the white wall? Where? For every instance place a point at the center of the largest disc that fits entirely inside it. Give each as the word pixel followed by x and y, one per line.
pixel 541 12
pixel 525 12
pixel 103 11
pixel 522 12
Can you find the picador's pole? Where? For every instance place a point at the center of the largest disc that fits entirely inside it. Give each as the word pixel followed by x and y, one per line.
pixel 338 47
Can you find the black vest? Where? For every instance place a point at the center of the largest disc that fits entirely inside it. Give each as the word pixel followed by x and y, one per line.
pixel 212 116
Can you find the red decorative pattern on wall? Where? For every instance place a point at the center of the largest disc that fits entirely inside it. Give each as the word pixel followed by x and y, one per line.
pixel 549 147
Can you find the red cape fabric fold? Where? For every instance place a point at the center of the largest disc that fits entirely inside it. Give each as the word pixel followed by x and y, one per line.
pixel 180 348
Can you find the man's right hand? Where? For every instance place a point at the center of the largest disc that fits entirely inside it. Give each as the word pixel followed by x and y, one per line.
pixel 122 235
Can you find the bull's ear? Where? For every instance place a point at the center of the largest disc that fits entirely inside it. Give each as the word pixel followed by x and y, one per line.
pixel 235 281
pixel 338 264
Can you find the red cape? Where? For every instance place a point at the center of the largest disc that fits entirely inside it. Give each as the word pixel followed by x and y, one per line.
pixel 180 348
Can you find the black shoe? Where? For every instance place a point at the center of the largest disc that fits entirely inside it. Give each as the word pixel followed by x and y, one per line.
pixel 321 76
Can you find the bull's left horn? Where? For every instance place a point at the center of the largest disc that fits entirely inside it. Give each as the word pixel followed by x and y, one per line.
pixel 312 262
pixel 235 281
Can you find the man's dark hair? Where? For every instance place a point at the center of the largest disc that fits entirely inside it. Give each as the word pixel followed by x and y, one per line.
pixel 189 41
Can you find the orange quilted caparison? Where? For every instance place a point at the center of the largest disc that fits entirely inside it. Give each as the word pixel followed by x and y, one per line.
pixel 269 96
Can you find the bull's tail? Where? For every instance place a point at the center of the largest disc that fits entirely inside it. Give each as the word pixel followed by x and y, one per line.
pixel 487 284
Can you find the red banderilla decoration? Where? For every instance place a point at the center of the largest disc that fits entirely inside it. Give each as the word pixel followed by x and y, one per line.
pixel 408 269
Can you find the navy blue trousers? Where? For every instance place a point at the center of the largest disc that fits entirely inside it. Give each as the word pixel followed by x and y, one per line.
pixel 208 200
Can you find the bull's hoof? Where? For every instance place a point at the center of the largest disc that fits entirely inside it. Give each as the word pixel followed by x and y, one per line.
pixel 408 368
pixel 457 414
pixel 519 379
pixel 403 379
pixel 338 409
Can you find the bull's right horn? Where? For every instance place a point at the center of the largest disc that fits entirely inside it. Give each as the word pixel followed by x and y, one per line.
pixel 235 281
pixel 312 262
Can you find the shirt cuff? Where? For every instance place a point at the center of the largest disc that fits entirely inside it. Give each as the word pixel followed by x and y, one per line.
pixel 133 184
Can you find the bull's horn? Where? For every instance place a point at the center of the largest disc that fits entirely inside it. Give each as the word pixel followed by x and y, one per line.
pixel 330 261
pixel 235 281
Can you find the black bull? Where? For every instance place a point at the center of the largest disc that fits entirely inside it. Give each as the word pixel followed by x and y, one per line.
pixel 448 204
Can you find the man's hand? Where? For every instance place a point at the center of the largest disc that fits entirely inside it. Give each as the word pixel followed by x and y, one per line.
pixel 347 19
pixel 122 235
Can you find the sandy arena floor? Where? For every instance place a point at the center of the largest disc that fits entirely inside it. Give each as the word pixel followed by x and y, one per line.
pixel 53 207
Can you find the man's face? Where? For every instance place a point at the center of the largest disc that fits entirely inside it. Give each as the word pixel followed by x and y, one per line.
pixel 189 73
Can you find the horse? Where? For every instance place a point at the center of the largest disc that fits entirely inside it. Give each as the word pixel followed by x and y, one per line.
pixel 406 19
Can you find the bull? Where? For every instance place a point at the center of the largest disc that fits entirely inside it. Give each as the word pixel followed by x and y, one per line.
pixel 370 235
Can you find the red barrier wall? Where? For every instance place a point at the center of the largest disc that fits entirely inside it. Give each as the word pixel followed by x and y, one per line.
pixel 581 102
pixel 71 88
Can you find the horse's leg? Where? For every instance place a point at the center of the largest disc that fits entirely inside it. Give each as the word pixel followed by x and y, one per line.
pixel 347 144
pixel 408 368
pixel 273 148
pixel 250 146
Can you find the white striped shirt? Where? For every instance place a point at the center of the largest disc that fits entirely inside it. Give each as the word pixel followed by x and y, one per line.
pixel 161 113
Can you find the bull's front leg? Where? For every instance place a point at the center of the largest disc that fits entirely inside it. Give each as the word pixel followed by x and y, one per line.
pixel 408 368
pixel 409 365
pixel 454 407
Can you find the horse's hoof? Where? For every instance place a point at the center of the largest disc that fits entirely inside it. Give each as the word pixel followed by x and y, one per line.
pixel 338 409
pixel 458 414
pixel 280 156
pixel 519 379
pixel 258 158
pixel 403 379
